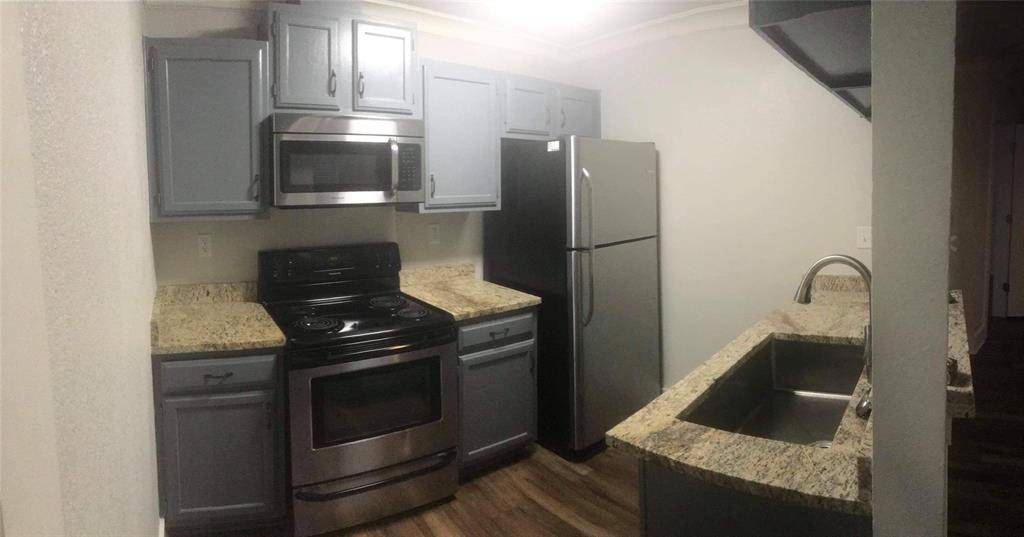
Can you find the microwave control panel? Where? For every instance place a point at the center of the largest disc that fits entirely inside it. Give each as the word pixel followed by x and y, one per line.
pixel 410 167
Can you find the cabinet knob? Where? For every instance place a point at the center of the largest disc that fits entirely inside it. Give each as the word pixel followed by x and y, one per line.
pixel 362 84
pixel 332 83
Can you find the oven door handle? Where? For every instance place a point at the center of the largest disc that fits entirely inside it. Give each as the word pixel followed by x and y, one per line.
pixel 393 143
pixel 443 459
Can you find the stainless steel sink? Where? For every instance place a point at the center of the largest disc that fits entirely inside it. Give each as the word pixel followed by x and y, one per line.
pixel 794 391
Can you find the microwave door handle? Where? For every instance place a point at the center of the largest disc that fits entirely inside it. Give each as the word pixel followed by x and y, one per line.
pixel 394 164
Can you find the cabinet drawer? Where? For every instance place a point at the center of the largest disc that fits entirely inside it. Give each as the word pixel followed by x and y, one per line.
pixel 217 374
pixel 495 333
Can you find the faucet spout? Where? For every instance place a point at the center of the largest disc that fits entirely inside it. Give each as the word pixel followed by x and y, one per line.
pixel 803 296
pixel 803 291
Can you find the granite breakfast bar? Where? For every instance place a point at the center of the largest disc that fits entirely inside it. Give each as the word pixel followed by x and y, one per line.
pixel 778 480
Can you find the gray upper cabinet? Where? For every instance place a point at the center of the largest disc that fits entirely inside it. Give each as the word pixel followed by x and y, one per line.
pixel 307 60
pixel 219 458
pixel 207 99
pixel 383 68
pixel 579 112
pixel 461 115
pixel 528 106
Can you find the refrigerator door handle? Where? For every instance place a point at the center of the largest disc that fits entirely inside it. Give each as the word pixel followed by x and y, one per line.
pixel 585 176
pixel 589 316
pixel 585 180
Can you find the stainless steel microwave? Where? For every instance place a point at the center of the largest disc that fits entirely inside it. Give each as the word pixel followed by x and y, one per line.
pixel 324 160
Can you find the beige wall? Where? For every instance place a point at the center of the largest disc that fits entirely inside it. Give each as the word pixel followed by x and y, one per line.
pixel 762 172
pixel 30 489
pixel 79 454
pixel 236 243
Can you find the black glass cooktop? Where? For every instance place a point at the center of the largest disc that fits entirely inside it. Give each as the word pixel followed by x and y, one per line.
pixel 324 322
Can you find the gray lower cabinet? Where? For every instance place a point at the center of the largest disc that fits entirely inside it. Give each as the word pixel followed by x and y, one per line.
pixel 498 387
pixel 673 505
pixel 220 441
pixel 461 116
pixel 207 100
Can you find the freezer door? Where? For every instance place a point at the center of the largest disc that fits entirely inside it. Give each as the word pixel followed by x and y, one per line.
pixel 617 335
pixel 614 191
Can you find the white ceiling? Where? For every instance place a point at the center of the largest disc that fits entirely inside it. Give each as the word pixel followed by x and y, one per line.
pixel 565 22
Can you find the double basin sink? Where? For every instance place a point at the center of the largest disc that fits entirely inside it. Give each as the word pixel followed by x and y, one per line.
pixel 792 391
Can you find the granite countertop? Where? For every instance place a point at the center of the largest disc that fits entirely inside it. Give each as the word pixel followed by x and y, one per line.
pixel 211 318
pixel 225 316
pixel 457 290
pixel 837 478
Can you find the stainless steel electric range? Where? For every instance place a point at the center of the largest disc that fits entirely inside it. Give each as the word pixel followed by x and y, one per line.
pixel 371 385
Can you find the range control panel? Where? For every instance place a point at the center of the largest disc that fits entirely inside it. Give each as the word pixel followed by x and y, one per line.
pixel 330 264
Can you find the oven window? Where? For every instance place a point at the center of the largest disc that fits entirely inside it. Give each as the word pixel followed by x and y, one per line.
pixel 325 166
pixel 372 402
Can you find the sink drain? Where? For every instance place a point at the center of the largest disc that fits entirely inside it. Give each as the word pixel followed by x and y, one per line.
pixel 823 444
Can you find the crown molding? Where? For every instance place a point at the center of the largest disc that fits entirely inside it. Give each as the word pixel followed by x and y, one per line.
pixel 227 5
pixel 711 17
pixel 703 18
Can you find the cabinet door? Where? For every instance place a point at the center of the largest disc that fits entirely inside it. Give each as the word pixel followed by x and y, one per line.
pixel 219 456
pixel 307 61
pixel 499 401
pixel 528 106
pixel 208 97
pixel 383 74
pixel 461 115
pixel 580 112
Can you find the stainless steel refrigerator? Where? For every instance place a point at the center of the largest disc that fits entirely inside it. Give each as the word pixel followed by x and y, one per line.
pixel 578 226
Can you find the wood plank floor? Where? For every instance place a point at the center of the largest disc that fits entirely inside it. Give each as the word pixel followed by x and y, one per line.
pixel 538 495
pixel 986 458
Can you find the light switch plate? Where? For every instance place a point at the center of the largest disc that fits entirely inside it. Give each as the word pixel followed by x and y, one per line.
pixel 204 244
pixel 434 234
pixel 864 237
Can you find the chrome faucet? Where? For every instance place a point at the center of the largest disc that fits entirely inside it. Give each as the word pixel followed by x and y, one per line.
pixel 803 296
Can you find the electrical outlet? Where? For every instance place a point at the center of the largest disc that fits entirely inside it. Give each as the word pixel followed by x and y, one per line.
pixel 204 244
pixel 434 234
pixel 864 237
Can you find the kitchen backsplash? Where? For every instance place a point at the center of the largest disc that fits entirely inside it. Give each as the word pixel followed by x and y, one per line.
pixel 236 243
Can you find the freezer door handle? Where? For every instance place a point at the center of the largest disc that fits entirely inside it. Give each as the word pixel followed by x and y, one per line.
pixel 589 314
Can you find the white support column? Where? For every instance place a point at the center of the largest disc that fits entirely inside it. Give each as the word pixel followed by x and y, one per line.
pixel 912 107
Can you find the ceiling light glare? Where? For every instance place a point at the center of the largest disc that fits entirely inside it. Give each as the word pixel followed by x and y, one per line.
pixel 548 13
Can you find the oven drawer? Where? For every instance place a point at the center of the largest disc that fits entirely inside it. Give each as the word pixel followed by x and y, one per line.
pixel 495 333
pixel 217 374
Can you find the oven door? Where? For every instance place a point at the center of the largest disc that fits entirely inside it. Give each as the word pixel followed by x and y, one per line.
pixel 314 170
pixel 367 414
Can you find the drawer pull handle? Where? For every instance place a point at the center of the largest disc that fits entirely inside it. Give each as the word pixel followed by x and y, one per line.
pixel 225 376
pixel 502 333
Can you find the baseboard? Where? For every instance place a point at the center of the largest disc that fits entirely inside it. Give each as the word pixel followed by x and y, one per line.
pixel 977 339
